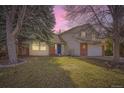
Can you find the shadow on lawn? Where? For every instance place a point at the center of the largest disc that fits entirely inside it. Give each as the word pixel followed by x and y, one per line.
pixel 37 72
pixel 101 63
pixel 96 62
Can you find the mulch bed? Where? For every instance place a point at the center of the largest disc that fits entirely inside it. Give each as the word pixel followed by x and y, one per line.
pixel 6 63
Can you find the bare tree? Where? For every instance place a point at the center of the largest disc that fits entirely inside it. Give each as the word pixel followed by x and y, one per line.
pixel 109 18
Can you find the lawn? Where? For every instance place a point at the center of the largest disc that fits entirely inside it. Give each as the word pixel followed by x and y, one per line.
pixel 61 72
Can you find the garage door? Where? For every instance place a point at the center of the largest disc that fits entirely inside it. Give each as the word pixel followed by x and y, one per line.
pixel 94 50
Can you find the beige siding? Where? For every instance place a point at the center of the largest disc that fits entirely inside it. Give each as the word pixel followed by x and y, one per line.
pixel 72 47
pixel 62 49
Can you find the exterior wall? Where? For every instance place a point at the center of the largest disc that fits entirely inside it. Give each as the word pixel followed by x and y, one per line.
pixel 55 49
pixel 50 51
pixel 63 49
pixel 72 47
pixel 95 50
pixel 39 52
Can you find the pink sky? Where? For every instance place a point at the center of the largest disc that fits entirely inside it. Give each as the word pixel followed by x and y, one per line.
pixel 61 23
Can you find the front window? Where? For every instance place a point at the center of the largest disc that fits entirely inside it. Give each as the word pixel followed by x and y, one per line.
pixel 35 46
pixel 83 34
pixel 38 46
pixel 42 46
pixel 93 36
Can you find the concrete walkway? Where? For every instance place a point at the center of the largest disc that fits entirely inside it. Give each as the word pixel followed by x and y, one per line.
pixel 107 58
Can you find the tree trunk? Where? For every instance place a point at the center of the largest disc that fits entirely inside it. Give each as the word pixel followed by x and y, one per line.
pixel 116 52
pixel 10 39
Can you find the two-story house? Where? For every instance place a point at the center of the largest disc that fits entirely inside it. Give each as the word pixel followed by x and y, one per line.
pixel 79 41
pixel 83 41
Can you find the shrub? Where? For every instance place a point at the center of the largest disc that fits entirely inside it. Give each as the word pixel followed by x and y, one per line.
pixel 108 52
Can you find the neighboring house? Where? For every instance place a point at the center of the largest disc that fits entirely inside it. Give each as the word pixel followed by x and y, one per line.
pixel 78 41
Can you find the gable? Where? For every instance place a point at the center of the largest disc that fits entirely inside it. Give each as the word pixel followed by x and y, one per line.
pixel 86 30
pixel 77 29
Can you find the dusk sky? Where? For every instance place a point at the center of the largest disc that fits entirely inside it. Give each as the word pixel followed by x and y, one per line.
pixel 61 23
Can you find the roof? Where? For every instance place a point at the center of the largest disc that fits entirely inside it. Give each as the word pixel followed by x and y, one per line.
pixel 57 39
pixel 80 28
pixel 84 27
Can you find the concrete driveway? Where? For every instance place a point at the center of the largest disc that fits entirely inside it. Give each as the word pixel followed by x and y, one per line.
pixel 107 58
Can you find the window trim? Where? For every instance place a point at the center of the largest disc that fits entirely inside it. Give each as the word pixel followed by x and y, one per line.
pixel 83 34
pixel 93 36
pixel 33 43
pixel 42 45
pixel 39 46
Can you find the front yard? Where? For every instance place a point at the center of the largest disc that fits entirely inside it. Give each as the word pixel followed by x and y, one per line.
pixel 61 72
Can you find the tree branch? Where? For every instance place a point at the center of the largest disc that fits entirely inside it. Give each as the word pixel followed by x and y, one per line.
pixel 99 19
pixel 20 19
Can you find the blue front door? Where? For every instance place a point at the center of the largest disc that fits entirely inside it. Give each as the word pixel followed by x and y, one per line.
pixel 58 49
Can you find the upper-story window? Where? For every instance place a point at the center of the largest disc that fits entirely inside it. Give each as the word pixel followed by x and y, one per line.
pixel 83 34
pixel 93 36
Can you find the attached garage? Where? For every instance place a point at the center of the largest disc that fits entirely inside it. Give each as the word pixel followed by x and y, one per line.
pixel 94 50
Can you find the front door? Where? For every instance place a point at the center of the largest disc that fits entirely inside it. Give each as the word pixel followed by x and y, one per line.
pixel 59 49
pixel 83 49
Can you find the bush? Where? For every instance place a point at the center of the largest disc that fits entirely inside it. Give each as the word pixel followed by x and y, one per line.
pixel 108 52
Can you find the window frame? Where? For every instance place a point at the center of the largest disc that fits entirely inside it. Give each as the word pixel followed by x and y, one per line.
pixel 42 45
pixel 93 36
pixel 34 44
pixel 83 34
pixel 39 44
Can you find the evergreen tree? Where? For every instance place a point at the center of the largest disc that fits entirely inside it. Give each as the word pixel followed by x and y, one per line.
pixel 25 23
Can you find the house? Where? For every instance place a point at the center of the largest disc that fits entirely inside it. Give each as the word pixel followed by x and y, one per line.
pixel 83 41
pixel 37 48
pixel 79 41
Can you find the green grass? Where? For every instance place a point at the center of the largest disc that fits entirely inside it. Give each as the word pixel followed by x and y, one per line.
pixel 61 72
